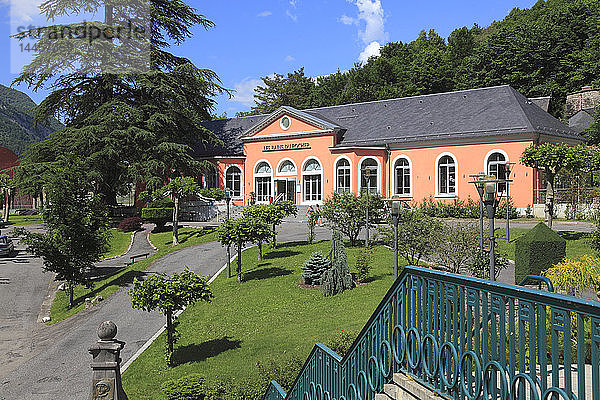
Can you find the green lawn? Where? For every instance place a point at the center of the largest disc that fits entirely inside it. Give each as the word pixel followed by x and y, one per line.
pixel 578 243
pixel 267 317
pixel 119 243
pixel 110 284
pixel 25 219
pixel 189 236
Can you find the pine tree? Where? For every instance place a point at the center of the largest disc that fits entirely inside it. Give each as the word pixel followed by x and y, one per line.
pixel 127 125
pixel 338 277
pixel 314 268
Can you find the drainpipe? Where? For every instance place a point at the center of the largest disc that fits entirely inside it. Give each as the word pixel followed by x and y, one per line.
pixel 389 182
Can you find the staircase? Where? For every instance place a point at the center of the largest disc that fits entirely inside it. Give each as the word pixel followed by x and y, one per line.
pixel 437 334
pixel 404 387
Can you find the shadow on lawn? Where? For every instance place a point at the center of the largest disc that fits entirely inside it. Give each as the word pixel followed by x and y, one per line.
pixel 573 235
pixel 203 351
pixel 280 254
pixel 266 273
pixel 122 281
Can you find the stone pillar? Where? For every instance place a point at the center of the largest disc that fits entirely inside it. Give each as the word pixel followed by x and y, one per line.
pixel 106 365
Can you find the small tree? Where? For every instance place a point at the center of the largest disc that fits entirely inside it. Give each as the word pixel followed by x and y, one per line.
pixel 169 294
pixel 346 212
pixel 176 189
pixel 456 245
pixel 238 232
pixel 76 228
pixel 363 264
pixel 314 267
pixel 418 236
pixel 311 222
pixel 551 159
pixel 272 214
pixel 338 278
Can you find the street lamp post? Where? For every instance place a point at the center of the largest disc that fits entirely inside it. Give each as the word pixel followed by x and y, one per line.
pixel 228 200
pixel 487 187
pixel 490 206
pixel 479 185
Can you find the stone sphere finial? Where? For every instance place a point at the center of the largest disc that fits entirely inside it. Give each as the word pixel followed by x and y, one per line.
pixel 107 330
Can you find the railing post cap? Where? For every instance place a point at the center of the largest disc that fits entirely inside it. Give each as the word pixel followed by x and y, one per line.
pixel 107 331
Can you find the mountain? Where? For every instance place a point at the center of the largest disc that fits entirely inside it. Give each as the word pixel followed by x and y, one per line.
pixel 17 129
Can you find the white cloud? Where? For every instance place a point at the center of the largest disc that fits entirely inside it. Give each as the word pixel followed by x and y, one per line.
pixel 290 58
pixel 346 20
pixel 265 13
pixel 371 26
pixel 293 17
pixel 244 91
pixel 23 10
pixel 372 49
pixel 293 3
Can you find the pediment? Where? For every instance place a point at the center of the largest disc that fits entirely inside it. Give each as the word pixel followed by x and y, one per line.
pixel 287 121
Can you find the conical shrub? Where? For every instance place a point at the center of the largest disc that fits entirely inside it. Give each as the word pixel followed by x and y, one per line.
pixel 314 267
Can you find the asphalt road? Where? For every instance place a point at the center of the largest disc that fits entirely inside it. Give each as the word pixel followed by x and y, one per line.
pixel 57 365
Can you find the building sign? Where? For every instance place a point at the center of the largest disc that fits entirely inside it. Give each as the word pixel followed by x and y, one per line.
pixel 289 146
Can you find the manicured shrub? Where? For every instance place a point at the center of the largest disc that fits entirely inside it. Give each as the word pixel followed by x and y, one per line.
pixel 363 264
pixel 314 267
pixel 456 244
pixel 189 387
pixel 158 216
pixel 130 224
pixel 574 275
pixel 338 278
pixel 538 250
pixel 479 265
pixel 341 342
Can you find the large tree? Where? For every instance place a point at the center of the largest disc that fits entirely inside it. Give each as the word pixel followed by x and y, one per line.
pixel 127 125
pixel 76 227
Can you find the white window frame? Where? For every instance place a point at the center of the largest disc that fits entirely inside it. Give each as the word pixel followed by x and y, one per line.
pixel 241 196
pixel 487 164
pixel 360 180
pixel 280 164
pixel 437 176
pixel 312 173
pixel 410 174
pixel 335 172
pixel 262 175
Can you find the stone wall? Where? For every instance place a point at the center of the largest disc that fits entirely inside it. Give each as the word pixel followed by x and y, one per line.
pixel 587 98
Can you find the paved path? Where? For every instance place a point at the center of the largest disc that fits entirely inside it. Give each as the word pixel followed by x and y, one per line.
pixel 57 366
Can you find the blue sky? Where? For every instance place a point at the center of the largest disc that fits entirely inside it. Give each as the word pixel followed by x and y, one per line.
pixel 253 39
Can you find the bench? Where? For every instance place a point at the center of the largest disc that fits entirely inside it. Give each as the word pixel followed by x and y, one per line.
pixel 133 258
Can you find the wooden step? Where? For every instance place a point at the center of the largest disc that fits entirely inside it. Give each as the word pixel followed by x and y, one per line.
pixel 406 388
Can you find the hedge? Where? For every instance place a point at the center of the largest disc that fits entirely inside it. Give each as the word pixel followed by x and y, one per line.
pixel 538 250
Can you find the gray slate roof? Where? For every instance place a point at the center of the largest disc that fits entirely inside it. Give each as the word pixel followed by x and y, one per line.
pixel 582 120
pixel 475 113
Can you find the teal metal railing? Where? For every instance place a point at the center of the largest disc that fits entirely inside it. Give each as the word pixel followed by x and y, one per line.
pixel 464 338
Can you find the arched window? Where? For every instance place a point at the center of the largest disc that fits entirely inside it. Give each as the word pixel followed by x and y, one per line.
pixel 287 167
pixel 311 174
pixel 210 178
pixel 342 180
pixel 372 165
pixel 402 175
pixel 262 185
pixel 233 181
pixel 446 176
pixel 496 166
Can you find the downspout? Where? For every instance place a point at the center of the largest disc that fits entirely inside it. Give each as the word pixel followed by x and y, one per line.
pixel 389 182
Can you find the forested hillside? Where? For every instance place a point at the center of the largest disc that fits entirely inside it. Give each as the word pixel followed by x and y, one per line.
pixel 17 129
pixel 550 49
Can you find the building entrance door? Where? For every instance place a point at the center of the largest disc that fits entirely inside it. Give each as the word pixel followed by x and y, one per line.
pixel 288 187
